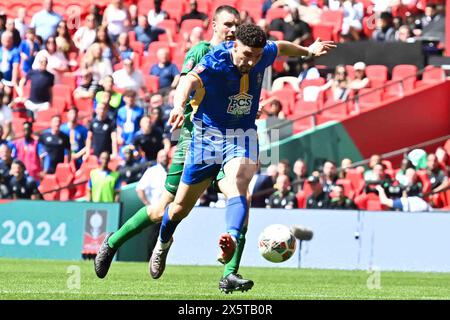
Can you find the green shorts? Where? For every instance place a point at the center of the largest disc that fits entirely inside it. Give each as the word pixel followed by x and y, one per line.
pixel 176 167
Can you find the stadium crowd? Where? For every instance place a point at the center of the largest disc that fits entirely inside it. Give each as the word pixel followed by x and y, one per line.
pixel 73 94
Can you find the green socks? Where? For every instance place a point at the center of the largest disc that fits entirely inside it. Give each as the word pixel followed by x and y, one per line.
pixel 233 265
pixel 132 227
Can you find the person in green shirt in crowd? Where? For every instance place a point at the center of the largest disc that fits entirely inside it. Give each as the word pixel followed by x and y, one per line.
pixel 104 184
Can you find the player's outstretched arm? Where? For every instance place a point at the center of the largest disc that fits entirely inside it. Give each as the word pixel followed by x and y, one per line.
pixel 187 84
pixel 317 49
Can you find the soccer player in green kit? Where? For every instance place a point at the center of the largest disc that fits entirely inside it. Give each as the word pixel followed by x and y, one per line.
pixel 226 19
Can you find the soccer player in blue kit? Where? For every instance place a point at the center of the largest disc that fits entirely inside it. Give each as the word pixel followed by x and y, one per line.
pixel 227 87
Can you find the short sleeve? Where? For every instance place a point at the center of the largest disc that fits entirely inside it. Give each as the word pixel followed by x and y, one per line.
pixel 193 57
pixel 16 57
pixel 270 53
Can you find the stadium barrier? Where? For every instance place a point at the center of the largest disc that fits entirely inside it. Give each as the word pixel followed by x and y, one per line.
pixel 54 230
pixel 342 239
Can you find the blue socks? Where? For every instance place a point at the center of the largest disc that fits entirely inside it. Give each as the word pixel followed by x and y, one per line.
pixel 167 227
pixel 235 215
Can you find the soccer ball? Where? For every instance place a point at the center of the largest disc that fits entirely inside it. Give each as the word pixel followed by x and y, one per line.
pixel 276 243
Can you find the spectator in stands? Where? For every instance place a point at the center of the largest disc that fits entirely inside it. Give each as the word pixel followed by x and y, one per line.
pixel 404 34
pixel 149 140
pixel 339 85
pixel 168 73
pixel 318 199
pixel 20 23
pixel 21 185
pixel 443 158
pixel 87 88
pixel 157 15
pixel 404 203
pixel 339 201
pixel 27 151
pixel 77 134
pixel 412 185
pixel 85 36
pixel 7 142
pixel 346 164
pixel 433 23
pixel 156 117
pixel 374 160
pixel 57 63
pixel 6 160
pixel 260 188
pixel 194 38
pixel 63 39
pixel 146 34
pixel 9 60
pixel 95 10
pixel 132 169
pixel 380 178
pixel 10 26
pixel 245 17
pixel 133 13
pixel 151 185
pixel 438 178
pixel 112 98
pixel 283 198
pixel 401 174
pixel 53 146
pixel 28 50
pixel 117 18
pixel 273 109
pixel 284 168
pixel 329 176
pixel 128 118
pixel 41 86
pixel 352 22
pixel 104 184
pixel 109 50
pixel 130 78
pixel 272 172
pixel 45 21
pixel 294 29
pixel 195 14
pixel 385 31
pixel 301 174
pixel 123 46
pixel 6 118
pixel 96 63
pixel 360 81
pixel 102 135
pixel 157 101
pixel 309 71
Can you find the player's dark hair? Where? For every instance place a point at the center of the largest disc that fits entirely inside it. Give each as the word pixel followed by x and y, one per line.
pixel 229 9
pixel 251 35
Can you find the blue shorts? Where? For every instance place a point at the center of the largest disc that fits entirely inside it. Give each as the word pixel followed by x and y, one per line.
pixel 212 148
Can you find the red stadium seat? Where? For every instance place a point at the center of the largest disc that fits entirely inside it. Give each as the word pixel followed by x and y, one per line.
pixel 377 72
pixel 305 107
pixel 322 31
pixel 64 174
pixel 151 82
pixel 287 98
pixel 276 13
pixel 369 98
pixel 173 8
pixel 407 73
pixel 253 7
pixel 217 3
pixel 187 25
pixel 48 184
pixel 138 47
pixel 169 25
pixel 432 75
pixel 276 34
pixel 374 205
pixel 312 82
pixel 357 179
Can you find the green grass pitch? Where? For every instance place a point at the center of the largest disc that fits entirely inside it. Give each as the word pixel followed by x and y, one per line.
pixel 36 279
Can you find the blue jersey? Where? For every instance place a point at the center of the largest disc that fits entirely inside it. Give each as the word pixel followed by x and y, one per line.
pixel 228 99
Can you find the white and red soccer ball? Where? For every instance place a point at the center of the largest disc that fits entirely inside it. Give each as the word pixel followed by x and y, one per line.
pixel 276 243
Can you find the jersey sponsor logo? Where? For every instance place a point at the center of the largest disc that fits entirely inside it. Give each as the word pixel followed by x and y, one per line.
pixel 189 64
pixel 240 104
pixel 199 69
